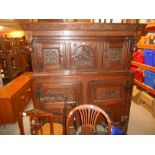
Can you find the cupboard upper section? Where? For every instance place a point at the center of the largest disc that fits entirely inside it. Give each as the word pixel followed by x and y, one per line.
pixel 81 47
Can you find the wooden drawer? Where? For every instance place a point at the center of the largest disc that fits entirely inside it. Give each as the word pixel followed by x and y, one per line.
pixel 19 102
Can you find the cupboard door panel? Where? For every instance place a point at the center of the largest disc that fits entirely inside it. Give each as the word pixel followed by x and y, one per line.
pixel 48 56
pixel 50 92
pixel 83 54
pixel 110 95
pixel 116 56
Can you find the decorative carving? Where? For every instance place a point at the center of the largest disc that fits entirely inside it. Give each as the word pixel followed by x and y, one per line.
pixel 57 94
pixel 113 54
pixel 51 56
pixel 79 26
pixel 108 93
pixel 83 57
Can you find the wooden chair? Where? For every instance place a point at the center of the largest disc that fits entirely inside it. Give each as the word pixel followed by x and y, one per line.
pixel 41 123
pixel 60 111
pixel 88 118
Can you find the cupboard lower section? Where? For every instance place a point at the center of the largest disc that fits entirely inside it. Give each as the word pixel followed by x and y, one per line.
pixel 111 92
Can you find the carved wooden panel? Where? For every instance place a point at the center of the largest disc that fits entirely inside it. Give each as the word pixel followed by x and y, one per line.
pixel 116 56
pixel 48 92
pixel 51 56
pixel 108 93
pixel 57 94
pixel 83 54
pixel 113 55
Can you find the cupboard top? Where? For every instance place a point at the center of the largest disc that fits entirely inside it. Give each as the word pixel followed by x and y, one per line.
pixel 82 29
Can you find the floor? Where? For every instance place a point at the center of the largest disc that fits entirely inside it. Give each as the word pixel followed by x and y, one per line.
pixel 141 122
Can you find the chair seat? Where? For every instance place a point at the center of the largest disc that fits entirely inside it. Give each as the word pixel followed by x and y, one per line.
pixel 100 130
pixel 57 129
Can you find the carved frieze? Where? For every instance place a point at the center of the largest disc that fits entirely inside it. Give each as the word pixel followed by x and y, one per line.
pixel 79 26
pixel 83 57
pixel 51 56
pixel 108 93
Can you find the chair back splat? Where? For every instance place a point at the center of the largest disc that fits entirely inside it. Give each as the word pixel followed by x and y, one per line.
pixel 88 118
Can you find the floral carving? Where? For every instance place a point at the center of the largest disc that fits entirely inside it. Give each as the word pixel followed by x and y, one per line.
pixel 108 93
pixel 51 56
pixel 113 54
pixel 57 94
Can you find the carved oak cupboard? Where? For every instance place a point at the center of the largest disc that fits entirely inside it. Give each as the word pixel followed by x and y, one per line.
pixel 86 62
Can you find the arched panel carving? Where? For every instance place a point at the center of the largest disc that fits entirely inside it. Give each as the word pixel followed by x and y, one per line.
pixel 83 57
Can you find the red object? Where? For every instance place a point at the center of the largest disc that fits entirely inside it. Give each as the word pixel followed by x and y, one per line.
pixel 133 69
pixel 138 56
pixel 138 73
pixel 139 76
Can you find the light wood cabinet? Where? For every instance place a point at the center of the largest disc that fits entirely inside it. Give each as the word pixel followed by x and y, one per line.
pixel 14 97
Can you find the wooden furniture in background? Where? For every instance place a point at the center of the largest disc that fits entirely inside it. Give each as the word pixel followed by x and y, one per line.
pixel 14 97
pixel 14 58
pixel 88 63
pixel 89 117
pixel 9 65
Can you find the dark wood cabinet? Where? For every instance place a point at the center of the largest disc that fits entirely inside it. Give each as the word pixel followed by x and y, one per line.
pixel 14 58
pixel 87 63
pixel 9 65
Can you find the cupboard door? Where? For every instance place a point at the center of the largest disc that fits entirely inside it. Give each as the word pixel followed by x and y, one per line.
pixel 116 55
pixel 48 56
pixel 50 92
pixel 83 54
pixel 110 95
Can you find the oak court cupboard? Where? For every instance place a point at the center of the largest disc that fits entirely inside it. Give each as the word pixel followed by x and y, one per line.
pixel 87 63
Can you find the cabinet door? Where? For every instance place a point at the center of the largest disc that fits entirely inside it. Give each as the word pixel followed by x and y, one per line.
pixel 116 55
pixel 83 54
pixel 50 92
pixel 48 56
pixel 111 96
